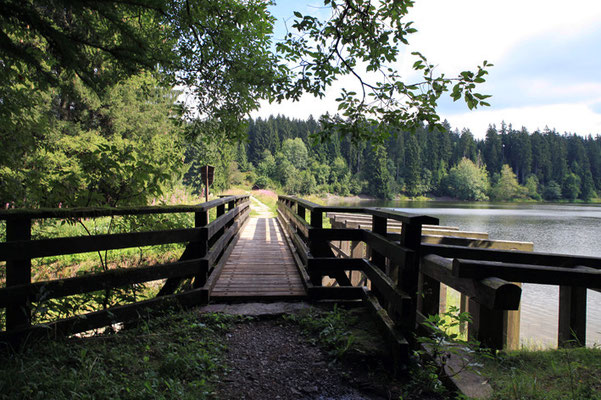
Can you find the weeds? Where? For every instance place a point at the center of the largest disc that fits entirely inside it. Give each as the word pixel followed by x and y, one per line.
pixel 175 355
pixel 330 329
pixel 570 373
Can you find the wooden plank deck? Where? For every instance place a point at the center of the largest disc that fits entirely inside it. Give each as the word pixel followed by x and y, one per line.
pixel 260 266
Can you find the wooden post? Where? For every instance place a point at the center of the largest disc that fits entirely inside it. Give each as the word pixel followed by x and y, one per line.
pixel 463 305
pixel 487 326
pixel 231 205
pixel 572 316
pixel 300 211
pixel 317 249
pixel 18 272
pixel 201 219
pixel 379 225
pixel 428 300
pixel 443 299
pixel 220 210
pixel 411 237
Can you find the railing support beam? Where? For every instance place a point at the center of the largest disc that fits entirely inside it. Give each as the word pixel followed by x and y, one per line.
pixel 572 316
pixel 18 272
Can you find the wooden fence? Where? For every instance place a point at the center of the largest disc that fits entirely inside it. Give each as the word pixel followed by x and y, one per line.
pixel 208 246
pixel 411 257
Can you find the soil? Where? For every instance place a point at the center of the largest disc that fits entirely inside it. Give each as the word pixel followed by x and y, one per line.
pixel 272 359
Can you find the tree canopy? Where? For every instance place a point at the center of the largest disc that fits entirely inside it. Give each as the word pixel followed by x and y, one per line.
pixel 222 52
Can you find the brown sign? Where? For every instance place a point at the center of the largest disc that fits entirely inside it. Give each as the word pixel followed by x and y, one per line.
pixel 206 174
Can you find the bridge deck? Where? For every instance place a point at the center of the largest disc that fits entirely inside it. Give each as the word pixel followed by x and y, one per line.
pixel 261 265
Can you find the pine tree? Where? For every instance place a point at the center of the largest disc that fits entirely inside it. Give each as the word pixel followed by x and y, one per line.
pixel 378 177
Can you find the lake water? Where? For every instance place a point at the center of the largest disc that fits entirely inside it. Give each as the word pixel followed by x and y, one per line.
pixel 554 228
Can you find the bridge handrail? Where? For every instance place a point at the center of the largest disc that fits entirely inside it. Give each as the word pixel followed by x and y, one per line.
pixel 209 244
pixel 453 262
pixel 373 211
pixel 94 212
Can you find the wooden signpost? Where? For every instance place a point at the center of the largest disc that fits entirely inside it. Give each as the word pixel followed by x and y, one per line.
pixel 206 174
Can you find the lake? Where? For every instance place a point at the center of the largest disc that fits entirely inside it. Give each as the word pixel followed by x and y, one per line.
pixel 555 228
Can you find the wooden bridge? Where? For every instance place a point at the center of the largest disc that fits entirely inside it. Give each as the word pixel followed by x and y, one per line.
pixel 397 264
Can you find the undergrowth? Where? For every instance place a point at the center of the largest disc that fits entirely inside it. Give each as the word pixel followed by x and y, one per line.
pixel 175 355
pixel 570 374
pixel 330 329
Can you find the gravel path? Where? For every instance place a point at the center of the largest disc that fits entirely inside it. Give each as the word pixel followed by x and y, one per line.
pixel 260 208
pixel 271 359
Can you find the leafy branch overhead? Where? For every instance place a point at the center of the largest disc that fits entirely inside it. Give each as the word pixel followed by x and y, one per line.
pixel 222 52
pixel 363 39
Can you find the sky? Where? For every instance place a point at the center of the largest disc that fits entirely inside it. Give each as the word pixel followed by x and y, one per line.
pixel 546 56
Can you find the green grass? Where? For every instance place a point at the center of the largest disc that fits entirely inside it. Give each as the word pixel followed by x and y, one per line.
pixel 573 374
pixel 176 355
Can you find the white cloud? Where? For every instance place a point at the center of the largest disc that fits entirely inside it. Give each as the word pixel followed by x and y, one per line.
pixel 572 118
pixel 462 33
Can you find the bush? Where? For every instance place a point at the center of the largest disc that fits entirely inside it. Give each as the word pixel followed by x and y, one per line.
pixel 262 182
pixel 552 191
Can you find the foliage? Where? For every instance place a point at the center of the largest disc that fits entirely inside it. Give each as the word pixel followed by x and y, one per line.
pixel 532 187
pixel 571 373
pixel 203 149
pixel 176 355
pixel 467 181
pixel 507 187
pixel 419 163
pixel 552 191
pixel 445 342
pixel 379 176
pixel 222 52
pixel 115 149
pixel 363 40
pixel 331 328
pixel 571 187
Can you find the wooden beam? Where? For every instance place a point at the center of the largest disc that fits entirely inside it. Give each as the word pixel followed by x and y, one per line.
pixel 15 250
pixel 95 212
pixel 546 275
pixel 105 280
pixel 514 256
pixel 572 316
pixel 98 319
pixel 18 272
pixel 494 293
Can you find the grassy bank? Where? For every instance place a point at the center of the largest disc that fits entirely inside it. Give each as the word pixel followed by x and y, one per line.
pixel 558 374
pixel 176 355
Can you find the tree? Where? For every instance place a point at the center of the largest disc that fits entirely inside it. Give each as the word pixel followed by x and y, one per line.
pixel 413 167
pixel 295 152
pixel 119 148
pixel 571 187
pixel 507 187
pixel 552 191
pixel 378 176
pixel 222 52
pixel 532 185
pixel 493 151
pixel 466 181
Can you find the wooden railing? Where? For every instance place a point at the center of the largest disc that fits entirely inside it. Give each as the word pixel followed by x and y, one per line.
pixel 573 275
pixel 393 266
pixel 409 258
pixel 209 243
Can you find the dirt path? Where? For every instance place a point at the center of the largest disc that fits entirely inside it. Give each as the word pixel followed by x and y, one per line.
pixel 260 208
pixel 271 359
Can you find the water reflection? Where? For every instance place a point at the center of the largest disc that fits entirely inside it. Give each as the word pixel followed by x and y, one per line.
pixel 553 228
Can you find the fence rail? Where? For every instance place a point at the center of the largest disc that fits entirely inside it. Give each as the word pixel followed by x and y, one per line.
pixel 407 259
pixel 208 244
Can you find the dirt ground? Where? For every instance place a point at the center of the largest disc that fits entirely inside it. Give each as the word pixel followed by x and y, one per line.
pixel 272 359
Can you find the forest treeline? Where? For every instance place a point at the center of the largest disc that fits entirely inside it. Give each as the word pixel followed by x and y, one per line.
pixel 507 164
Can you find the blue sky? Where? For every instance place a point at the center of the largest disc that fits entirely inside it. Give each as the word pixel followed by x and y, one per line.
pixel 547 58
